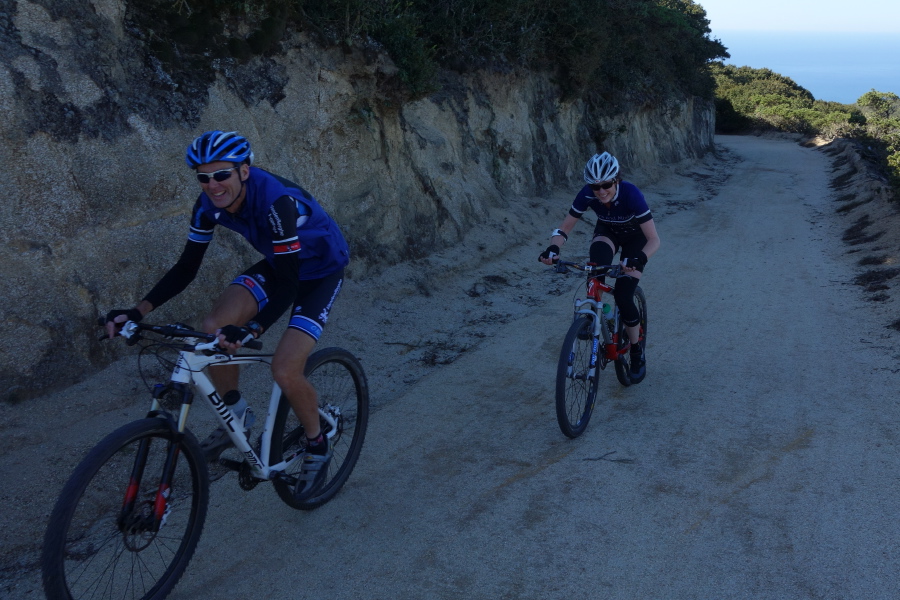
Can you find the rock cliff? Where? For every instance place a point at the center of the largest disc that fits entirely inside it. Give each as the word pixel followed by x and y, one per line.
pixel 96 193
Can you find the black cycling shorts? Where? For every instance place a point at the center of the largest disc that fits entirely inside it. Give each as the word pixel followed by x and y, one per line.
pixel 312 305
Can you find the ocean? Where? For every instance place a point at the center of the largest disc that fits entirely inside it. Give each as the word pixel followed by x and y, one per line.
pixel 839 67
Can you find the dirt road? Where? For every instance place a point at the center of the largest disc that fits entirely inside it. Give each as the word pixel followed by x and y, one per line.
pixel 757 460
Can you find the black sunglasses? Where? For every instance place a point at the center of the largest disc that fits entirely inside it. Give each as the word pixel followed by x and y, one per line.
pixel 603 186
pixel 219 176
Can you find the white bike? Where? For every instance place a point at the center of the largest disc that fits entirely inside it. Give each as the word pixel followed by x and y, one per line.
pixel 127 522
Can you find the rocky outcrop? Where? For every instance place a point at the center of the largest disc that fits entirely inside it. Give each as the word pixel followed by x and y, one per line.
pixel 96 193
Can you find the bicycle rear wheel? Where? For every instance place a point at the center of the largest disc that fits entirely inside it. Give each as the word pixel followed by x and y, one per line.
pixel 343 392
pixel 623 364
pixel 95 548
pixel 576 384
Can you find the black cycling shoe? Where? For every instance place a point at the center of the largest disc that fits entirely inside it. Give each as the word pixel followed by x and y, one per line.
pixel 638 367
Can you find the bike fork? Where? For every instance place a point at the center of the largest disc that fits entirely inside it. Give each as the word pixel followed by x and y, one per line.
pixel 154 521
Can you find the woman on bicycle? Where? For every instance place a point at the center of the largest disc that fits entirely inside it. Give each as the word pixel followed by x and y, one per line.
pixel 624 223
pixel 303 266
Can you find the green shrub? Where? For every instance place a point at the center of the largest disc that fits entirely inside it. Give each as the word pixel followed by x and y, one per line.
pixel 748 98
pixel 604 50
pixel 413 57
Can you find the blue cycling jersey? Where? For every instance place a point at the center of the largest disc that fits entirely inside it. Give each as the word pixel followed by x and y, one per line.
pixel 283 222
pixel 624 213
pixel 274 228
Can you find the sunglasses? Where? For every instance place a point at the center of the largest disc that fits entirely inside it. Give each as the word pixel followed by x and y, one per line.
pixel 219 176
pixel 603 186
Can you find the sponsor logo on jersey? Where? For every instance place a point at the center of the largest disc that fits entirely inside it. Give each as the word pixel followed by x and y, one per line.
pixel 275 222
pixel 287 248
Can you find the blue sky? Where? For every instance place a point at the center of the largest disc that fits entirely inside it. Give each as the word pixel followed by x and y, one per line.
pixel 836 49
pixel 873 16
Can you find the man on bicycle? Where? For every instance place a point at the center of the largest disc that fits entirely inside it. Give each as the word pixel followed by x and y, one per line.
pixel 303 265
pixel 624 223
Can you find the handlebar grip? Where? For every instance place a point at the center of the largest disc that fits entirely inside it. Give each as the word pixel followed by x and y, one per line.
pixel 253 345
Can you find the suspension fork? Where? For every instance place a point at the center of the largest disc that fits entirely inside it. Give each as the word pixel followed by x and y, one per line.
pixel 134 484
pixel 129 504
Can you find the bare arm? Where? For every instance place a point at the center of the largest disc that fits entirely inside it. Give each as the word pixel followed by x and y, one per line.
pixel 649 231
pixel 567 226
pixel 558 240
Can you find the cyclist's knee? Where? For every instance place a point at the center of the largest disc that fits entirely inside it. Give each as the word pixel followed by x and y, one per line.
pixel 214 321
pixel 288 371
pixel 289 378
pixel 601 252
pixel 210 324
pixel 282 375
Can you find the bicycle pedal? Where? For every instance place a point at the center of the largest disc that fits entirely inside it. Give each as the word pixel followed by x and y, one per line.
pixel 288 479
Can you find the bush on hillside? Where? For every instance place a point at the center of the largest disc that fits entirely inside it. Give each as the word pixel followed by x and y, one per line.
pixel 882 105
pixel 608 51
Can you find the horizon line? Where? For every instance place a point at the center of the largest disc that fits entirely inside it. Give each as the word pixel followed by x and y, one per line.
pixel 810 31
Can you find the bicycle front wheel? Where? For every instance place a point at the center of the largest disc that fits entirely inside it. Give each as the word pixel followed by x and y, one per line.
pixel 623 364
pixel 343 392
pixel 105 538
pixel 576 380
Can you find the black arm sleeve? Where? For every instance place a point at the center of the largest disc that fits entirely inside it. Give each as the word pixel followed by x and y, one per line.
pixel 285 289
pixel 179 276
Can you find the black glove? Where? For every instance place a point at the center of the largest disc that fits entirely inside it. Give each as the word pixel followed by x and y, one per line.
pixel 235 334
pixel 552 252
pixel 638 261
pixel 133 314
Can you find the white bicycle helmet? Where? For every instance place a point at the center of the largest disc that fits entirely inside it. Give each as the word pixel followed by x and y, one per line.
pixel 601 167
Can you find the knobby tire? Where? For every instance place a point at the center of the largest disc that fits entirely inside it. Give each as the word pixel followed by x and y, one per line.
pixel 93 550
pixel 341 386
pixel 576 392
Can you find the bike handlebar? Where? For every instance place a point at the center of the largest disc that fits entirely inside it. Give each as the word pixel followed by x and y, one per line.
pixel 614 271
pixel 131 330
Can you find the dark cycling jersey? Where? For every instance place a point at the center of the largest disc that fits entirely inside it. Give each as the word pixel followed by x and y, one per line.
pixel 278 217
pixel 624 214
pixel 283 222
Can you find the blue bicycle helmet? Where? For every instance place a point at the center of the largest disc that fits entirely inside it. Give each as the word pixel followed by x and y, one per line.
pixel 214 146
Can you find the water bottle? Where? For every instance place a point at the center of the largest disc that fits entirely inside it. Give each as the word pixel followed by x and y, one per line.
pixel 238 406
pixel 607 311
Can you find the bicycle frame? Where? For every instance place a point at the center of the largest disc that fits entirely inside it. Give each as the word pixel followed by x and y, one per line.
pixel 188 371
pixel 131 515
pixel 592 306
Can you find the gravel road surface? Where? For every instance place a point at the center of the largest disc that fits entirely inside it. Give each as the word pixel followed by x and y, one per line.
pixel 757 460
